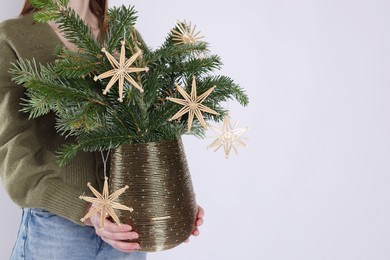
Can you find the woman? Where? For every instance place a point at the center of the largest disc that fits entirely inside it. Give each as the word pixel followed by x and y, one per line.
pixel 49 195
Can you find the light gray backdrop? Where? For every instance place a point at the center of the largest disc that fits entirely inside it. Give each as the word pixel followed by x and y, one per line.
pixel 314 183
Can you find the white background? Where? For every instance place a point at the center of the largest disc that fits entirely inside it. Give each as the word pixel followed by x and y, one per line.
pixel 314 182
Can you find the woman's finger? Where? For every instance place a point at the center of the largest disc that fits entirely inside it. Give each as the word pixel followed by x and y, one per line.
pixel 115 228
pixel 199 222
pixel 200 212
pixel 117 236
pixel 122 246
pixel 195 232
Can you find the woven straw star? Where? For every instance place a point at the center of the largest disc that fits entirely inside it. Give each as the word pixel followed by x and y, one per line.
pixel 229 137
pixel 105 203
pixel 185 34
pixel 121 71
pixel 192 105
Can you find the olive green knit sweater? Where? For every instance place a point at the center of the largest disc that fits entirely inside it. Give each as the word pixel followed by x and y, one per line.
pixel 27 163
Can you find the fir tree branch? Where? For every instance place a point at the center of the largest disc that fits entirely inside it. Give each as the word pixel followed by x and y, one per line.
pixel 55 91
pixel 75 64
pixel 66 153
pixel 121 22
pixel 226 89
pixel 35 105
pixel 48 10
pixel 194 67
pixel 46 15
pixel 102 140
pixel 77 32
pixel 23 70
pixel 169 52
pixel 40 4
pixel 82 117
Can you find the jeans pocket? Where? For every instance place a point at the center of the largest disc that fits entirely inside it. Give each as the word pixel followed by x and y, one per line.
pixel 41 213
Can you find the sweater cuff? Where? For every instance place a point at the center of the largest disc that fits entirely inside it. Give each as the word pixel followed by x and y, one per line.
pixel 64 201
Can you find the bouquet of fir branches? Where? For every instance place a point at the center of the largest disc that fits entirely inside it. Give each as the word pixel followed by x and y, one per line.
pixel 141 95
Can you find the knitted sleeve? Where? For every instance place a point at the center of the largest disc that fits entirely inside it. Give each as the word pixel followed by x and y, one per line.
pixel 27 168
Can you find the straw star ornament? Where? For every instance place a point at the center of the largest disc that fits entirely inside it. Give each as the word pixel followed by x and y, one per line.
pixel 228 137
pixel 121 71
pixel 104 203
pixel 185 34
pixel 192 104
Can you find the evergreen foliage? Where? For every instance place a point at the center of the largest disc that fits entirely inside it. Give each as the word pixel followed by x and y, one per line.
pixel 100 122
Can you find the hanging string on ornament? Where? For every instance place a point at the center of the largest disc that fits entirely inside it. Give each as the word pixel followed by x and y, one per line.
pixel 105 160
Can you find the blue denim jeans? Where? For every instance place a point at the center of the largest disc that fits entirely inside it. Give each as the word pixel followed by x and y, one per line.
pixel 44 235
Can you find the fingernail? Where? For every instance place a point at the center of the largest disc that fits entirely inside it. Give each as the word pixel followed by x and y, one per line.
pixel 133 236
pixel 128 227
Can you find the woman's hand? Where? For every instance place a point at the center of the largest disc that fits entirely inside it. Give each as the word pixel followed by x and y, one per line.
pixel 198 222
pixel 113 234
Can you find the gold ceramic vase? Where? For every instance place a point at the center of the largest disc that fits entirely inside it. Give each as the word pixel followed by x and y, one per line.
pixel 161 192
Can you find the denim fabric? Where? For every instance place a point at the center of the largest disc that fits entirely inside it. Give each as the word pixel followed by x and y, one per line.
pixel 43 235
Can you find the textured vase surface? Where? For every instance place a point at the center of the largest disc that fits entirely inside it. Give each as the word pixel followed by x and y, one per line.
pixel 160 192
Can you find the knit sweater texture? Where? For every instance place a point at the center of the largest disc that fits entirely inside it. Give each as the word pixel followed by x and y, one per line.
pixel 28 169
